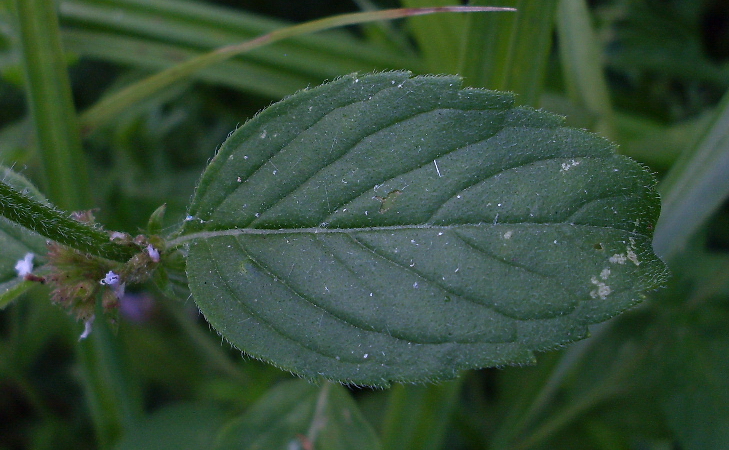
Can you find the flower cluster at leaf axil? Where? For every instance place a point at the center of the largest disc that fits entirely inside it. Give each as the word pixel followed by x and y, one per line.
pixel 78 278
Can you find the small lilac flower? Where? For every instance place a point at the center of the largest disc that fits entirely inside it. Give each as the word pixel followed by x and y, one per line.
pixel 25 266
pixel 112 280
pixel 153 253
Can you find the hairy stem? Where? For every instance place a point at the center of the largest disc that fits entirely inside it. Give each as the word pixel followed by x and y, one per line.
pixel 57 226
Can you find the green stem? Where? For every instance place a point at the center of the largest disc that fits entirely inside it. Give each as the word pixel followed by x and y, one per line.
pixel 57 226
pixel 112 105
pixel 112 394
pixel 51 105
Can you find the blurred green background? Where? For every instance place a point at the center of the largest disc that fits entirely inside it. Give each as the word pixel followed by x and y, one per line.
pixel 651 75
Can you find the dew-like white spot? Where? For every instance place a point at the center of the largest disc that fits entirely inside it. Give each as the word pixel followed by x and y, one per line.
pixel 568 165
pixel 633 257
pixel 618 258
pixel 605 273
pixel 601 291
pixel 264 133
pixel 508 234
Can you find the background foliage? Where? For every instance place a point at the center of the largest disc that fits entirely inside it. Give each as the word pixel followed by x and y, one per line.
pixel 649 74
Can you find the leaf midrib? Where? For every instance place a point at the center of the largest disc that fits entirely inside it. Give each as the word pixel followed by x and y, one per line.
pixel 177 242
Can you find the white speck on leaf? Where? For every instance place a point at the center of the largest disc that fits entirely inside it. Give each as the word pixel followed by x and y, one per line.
pixel 618 258
pixel 568 165
pixel 633 257
pixel 437 170
pixel 602 290
pixel 508 234
pixel 631 252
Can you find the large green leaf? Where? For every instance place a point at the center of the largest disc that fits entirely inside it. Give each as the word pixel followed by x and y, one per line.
pixel 383 227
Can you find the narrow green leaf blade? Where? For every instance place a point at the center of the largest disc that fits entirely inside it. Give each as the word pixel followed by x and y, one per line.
pixel 509 51
pixel 51 105
pixel 387 228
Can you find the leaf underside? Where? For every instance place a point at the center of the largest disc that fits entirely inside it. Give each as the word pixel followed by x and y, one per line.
pixel 387 228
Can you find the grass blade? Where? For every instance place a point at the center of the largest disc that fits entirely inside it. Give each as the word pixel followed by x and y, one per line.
pixel 582 65
pixel 695 187
pixel 112 105
pixel 247 76
pixel 189 27
pixel 51 105
pixel 509 52
pixel 441 52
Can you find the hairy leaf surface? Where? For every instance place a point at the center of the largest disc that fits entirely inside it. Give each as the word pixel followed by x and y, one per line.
pixel 387 228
